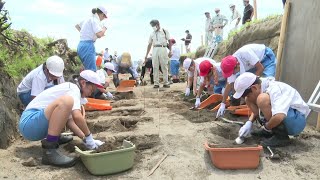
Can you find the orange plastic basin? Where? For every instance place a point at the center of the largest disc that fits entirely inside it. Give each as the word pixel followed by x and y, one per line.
pixel 234 158
pixel 126 85
pixel 97 104
pixel 214 98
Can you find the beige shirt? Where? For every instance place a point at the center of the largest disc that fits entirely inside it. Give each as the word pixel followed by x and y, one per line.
pixel 235 15
pixel 159 37
pixel 208 23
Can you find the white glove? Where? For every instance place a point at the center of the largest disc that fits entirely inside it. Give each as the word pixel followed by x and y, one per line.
pixel 221 110
pixel 90 143
pixel 245 130
pixel 109 95
pixel 197 104
pixel 187 91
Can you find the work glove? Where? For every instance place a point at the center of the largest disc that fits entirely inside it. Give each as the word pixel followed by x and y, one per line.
pixel 187 91
pixel 91 143
pixel 221 110
pixel 245 130
pixel 197 104
pixel 108 95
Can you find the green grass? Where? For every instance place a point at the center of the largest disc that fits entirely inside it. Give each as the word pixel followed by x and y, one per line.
pixel 17 61
pixel 257 21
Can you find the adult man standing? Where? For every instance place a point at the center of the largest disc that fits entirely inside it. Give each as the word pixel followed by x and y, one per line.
pixel 159 40
pixel 235 17
pixel 208 29
pixel 218 22
pixel 106 55
pixel 187 40
pixel 248 12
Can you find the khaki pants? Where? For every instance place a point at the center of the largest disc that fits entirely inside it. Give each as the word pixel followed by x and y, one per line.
pixel 208 37
pixel 160 57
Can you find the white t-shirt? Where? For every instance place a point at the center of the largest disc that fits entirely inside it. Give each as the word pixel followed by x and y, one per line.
pixel 102 75
pixel 89 28
pixel 197 64
pixel 36 81
pixel 248 56
pixel 219 71
pixel 49 95
pixel 175 53
pixel 283 97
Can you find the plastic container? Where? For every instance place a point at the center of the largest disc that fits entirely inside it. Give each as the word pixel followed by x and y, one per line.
pixel 109 162
pixel 234 158
pixel 126 86
pixel 97 104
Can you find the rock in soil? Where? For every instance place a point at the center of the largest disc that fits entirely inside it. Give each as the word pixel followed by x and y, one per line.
pixel 31 162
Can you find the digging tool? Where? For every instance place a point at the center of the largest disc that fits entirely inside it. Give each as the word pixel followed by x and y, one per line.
pixel 272 155
pixel 230 121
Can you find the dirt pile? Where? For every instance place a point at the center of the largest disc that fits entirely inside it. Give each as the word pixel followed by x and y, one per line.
pixel 9 110
pixel 266 32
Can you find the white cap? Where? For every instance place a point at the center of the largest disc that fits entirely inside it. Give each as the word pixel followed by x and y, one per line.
pixel 187 63
pixel 55 65
pixel 231 5
pixel 109 66
pixel 217 9
pixel 92 77
pixel 243 82
pixel 103 9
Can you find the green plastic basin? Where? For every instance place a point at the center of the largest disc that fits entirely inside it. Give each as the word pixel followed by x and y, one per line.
pixel 109 162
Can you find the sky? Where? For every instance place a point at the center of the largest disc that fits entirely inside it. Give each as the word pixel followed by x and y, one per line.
pixel 128 20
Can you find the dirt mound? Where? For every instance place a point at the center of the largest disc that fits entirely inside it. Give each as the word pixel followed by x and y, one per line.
pixel 9 108
pixel 265 32
pixel 108 147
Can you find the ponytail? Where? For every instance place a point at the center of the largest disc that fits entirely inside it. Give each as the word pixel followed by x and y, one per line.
pixel 94 10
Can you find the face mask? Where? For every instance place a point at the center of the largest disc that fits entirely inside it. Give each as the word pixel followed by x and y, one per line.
pixel 154 28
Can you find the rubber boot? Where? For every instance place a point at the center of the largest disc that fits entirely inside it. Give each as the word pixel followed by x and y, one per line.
pixel 52 156
pixel 151 79
pixel 261 133
pixel 280 137
pixel 65 139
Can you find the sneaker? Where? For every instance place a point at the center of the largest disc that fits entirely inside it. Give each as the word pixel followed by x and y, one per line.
pixel 166 86
pixel 276 141
pixel 156 86
pixel 261 133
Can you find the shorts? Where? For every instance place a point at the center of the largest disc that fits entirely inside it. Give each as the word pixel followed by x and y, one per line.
pixel 33 124
pixel 25 97
pixel 87 54
pixel 295 122
pixel 174 67
pixel 269 63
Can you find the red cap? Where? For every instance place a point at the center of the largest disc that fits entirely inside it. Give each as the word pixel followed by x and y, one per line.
pixel 205 67
pixel 228 64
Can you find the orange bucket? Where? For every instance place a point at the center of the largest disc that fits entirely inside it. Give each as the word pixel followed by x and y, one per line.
pixel 235 158
pixel 97 104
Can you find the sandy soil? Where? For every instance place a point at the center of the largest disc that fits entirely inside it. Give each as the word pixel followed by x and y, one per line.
pixel 158 123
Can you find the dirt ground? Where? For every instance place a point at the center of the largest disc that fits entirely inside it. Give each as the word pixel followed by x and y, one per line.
pixel 159 122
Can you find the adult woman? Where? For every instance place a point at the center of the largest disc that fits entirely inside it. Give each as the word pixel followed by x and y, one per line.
pixel 90 30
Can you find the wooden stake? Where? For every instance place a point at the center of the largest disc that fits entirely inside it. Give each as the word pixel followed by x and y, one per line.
pixel 157 165
pixel 318 122
pixel 255 9
pixel 282 38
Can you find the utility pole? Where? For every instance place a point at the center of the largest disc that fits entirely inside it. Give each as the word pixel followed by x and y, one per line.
pixel 255 9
